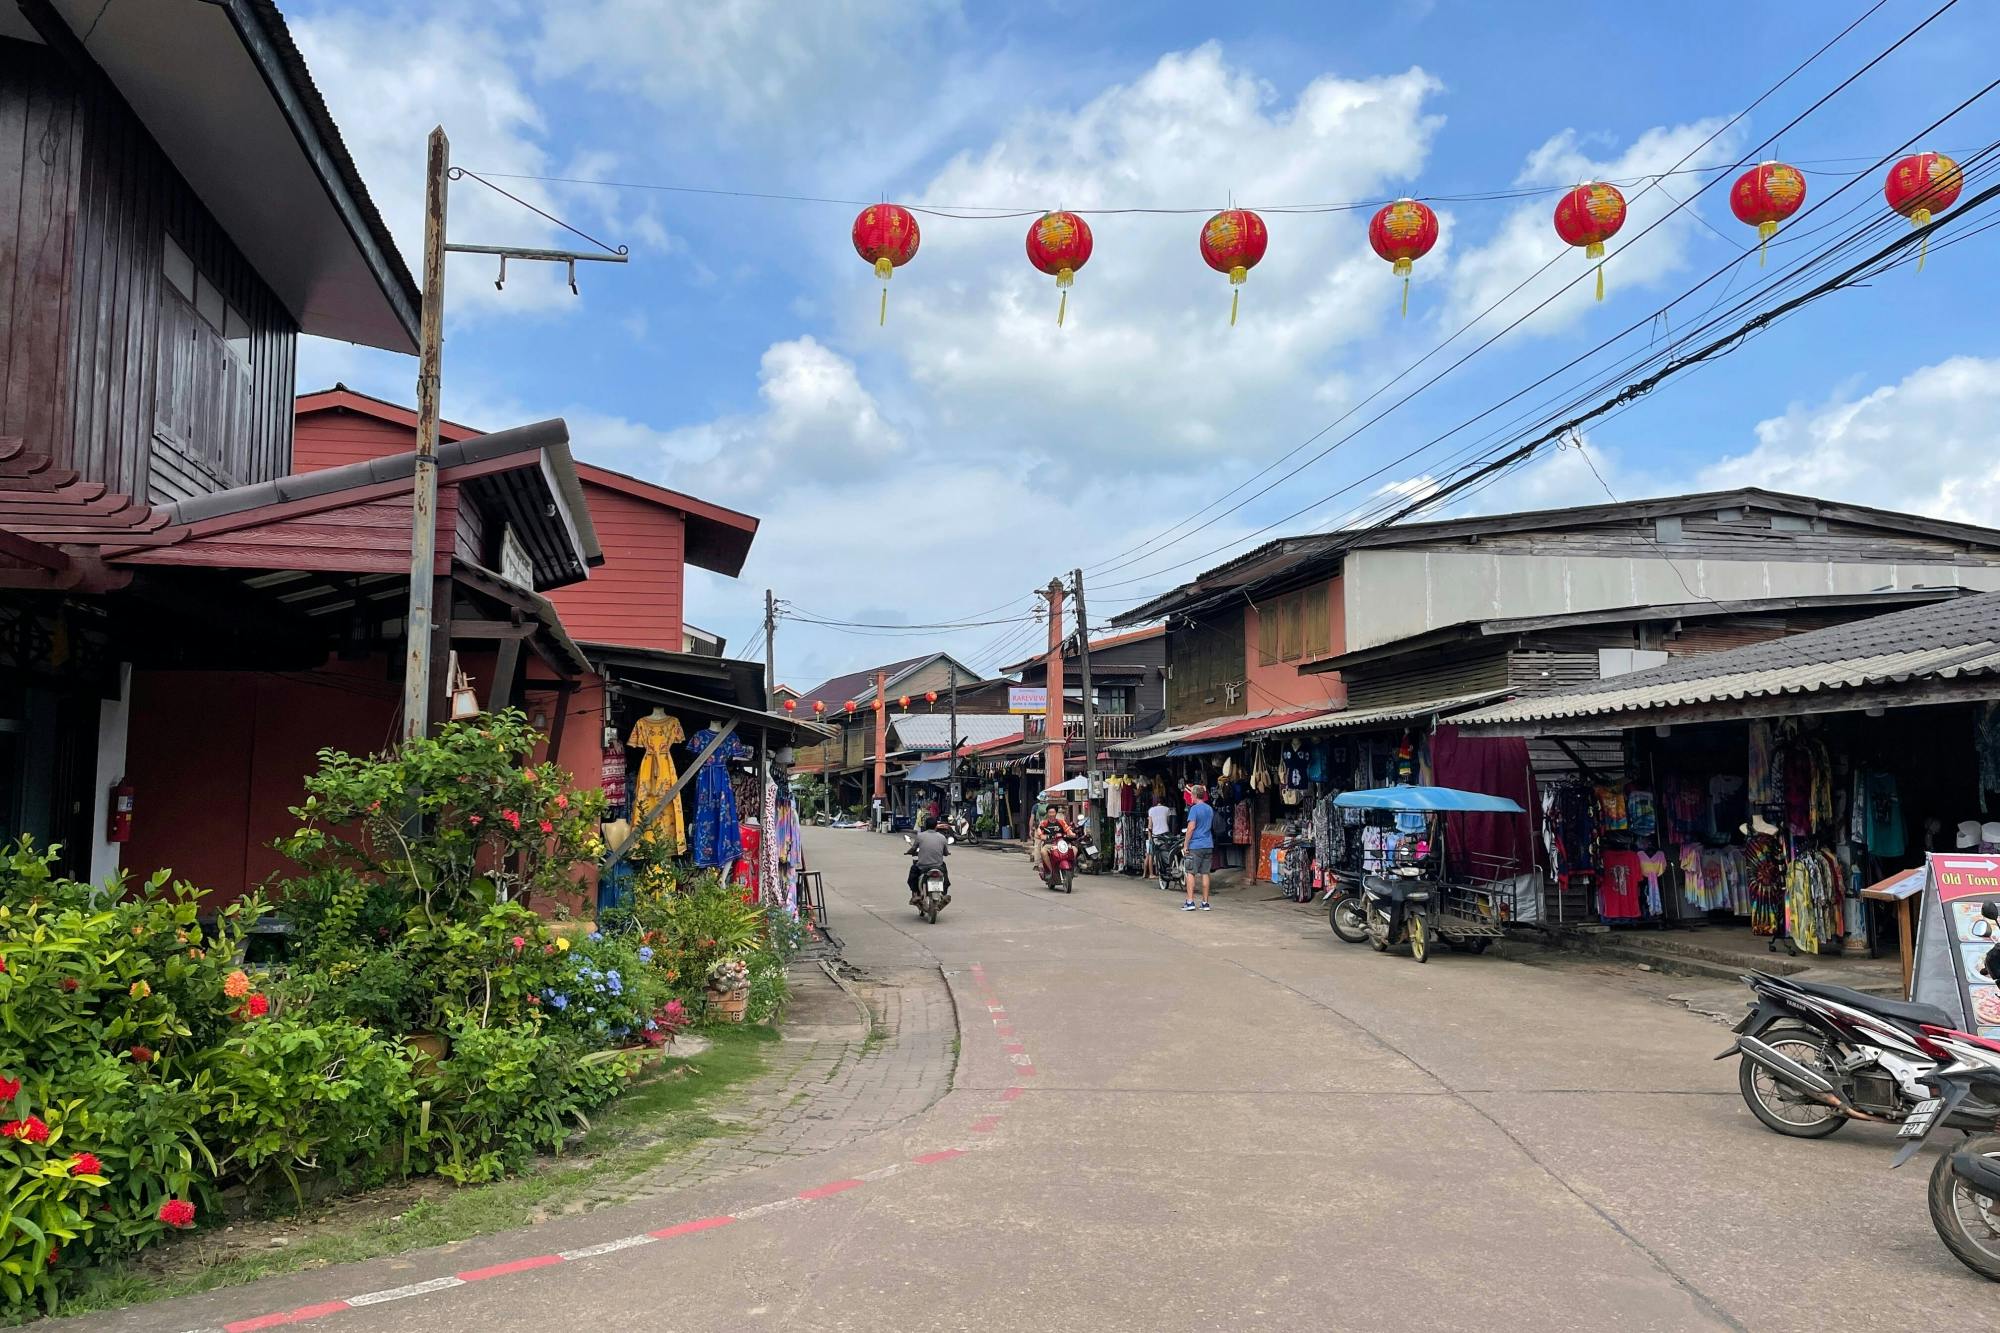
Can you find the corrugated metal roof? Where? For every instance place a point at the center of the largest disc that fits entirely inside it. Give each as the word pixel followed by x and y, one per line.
pixel 1347 719
pixel 932 731
pixel 1946 641
pixel 1140 747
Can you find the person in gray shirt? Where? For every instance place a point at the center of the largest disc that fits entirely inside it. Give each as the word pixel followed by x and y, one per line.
pixel 930 849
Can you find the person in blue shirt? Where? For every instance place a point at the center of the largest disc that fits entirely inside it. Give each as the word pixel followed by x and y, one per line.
pixel 1199 844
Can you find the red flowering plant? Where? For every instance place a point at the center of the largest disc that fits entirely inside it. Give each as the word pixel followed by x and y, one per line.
pixel 115 1000
pixel 49 1195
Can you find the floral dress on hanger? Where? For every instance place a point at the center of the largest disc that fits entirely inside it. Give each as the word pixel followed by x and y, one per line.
pixel 718 837
pixel 657 736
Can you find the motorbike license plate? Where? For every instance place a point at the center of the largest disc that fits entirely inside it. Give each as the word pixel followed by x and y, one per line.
pixel 1919 1122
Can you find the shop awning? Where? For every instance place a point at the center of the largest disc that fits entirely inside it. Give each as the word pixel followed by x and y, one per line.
pixel 749 719
pixel 1167 744
pixel 1203 747
pixel 1349 719
pixel 931 770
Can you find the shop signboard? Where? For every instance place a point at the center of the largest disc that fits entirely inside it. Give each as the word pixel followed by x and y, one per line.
pixel 1028 699
pixel 1958 929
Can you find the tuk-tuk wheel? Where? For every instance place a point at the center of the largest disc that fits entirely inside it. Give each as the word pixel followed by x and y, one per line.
pixel 1420 939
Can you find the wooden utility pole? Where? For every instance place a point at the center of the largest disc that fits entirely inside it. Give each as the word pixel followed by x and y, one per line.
pixel 882 738
pixel 427 637
pixel 423 497
pixel 770 650
pixel 951 792
pixel 1052 718
pixel 1083 666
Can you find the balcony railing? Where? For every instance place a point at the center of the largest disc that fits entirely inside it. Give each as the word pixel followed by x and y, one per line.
pixel 1110 726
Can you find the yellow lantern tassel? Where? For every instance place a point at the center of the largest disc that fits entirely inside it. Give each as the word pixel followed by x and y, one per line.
pixel 883 317
pixel 1765 231
pixel 1921 218
pixel 1406 298
pixel 1062 308
pixel 1064 277
pixel 1235 295
pixel 1600 282
pixel 1402 270
pixel 1237 276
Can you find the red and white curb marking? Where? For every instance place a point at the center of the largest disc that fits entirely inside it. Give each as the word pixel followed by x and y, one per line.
pixel 985 1123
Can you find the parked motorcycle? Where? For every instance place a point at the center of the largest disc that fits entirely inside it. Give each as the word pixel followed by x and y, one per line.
pixel 932 894
pixel 1345 910
pixel 1816 1056
pixel 1965 1183
pixel 1169 863
pixel 963 829
pixel 1394 911
pixel 1058 870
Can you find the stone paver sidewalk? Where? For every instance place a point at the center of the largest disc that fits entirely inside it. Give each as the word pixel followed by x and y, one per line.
pixel 823 1091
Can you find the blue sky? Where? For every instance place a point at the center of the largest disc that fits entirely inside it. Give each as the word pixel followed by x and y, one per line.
pixel 960 456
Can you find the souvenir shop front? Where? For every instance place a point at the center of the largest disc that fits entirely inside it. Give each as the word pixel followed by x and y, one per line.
pixel 1774 826
pixel 700 781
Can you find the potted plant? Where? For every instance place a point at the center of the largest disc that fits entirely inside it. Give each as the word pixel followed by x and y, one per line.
pixel 729 989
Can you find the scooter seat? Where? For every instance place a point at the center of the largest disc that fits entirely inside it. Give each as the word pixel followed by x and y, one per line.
pixel 1900 1010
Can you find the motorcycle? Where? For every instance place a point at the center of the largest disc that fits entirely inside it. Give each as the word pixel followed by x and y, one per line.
pixel 1169 863
pixel 1059 869
pixel 1965 1183
pixel 1394 911
pixel 1816 1056
pixel 962 829
pixel 932 894
pixel 1345 910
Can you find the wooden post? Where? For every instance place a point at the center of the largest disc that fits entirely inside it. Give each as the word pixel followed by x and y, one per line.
pixel 882 738
pixel 1906 927
pixel 417 645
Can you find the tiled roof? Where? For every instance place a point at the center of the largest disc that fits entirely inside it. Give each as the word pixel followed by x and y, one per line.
pixel 1948 640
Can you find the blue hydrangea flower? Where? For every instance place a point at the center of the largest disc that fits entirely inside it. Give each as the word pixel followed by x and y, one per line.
pixel 596 936
pixel 559 1001
pixel 645 955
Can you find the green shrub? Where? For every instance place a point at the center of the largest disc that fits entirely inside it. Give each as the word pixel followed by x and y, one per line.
pixel 505 1093
pixel 327 1098
pixel 49 1192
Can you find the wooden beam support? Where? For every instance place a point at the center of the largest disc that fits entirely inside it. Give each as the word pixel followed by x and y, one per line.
pixel 506 665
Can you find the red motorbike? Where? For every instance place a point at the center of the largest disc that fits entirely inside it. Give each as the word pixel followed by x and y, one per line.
pixel 1059 867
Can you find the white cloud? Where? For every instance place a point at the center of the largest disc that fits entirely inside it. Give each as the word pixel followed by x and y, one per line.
pixel 753 63
pixel 1148 373
pixel 387 82
pixel 1926 444
pixel 1484 274
pixel 816 423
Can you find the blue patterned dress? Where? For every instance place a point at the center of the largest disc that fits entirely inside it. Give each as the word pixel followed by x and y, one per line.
pixel 717 836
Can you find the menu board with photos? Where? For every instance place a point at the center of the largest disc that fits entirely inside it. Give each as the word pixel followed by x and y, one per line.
pixel 1958 932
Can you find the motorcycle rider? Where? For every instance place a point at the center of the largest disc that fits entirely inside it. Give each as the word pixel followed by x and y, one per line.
pixel 930 848
pixel 1048 828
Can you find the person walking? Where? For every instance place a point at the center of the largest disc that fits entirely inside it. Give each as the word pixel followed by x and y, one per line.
pixel 1198 841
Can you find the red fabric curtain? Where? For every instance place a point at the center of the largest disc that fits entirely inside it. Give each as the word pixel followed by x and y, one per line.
pixel 1492 766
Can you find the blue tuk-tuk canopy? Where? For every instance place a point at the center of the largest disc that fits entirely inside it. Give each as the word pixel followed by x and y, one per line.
pixel 1429 800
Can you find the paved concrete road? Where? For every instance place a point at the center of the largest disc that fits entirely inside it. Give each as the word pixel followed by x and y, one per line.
pixel 1169 1121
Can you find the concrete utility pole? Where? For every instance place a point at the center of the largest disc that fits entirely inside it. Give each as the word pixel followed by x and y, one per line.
pixel 1054 765
pixel 423 496
pixel 1083 665
pixel 421 653
pixel 770 650
pixel 951 793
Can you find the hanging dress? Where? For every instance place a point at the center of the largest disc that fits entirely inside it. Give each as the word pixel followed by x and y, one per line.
pixel 718 837
pixel 657 736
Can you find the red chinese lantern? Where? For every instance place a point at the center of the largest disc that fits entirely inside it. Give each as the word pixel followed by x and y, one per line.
pixel 849 705
pixel 1764 196
pixel 1589 216
pixel 1920 185
pixel 1232 242
pixel 904 703
pixel 819 707
pixel 930 696
pixel 886 236
pixel 1403 233
pixel 1059 243
pixel 791 705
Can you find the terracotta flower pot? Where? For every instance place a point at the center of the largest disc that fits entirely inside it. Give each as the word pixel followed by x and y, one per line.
pixel 427 1047
pixel 729 1006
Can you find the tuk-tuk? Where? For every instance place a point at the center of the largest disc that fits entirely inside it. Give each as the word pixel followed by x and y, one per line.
pixel 1408 899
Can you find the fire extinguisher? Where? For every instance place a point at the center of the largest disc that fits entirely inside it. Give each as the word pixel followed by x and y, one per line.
pixel 120 829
